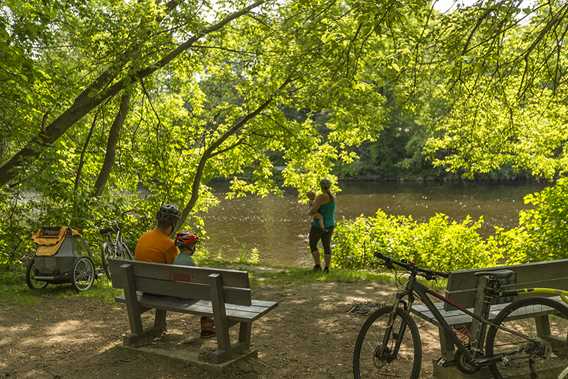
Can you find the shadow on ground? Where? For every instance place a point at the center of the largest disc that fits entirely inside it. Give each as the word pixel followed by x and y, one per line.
pixel 310 334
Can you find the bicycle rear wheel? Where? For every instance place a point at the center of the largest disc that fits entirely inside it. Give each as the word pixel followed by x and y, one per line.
pixel 548 355
pixel 369 362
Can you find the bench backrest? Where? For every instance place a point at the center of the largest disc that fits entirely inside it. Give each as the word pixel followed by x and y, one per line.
pixel 183 282
pixel 462 285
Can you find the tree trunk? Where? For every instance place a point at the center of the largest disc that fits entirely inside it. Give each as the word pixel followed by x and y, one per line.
pixel 96 93
pixel 113 137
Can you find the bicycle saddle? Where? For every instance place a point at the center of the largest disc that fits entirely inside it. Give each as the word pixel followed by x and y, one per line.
pixel 497 274
pixel 106 230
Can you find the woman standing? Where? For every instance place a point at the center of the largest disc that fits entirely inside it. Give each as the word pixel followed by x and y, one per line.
pixel 324 204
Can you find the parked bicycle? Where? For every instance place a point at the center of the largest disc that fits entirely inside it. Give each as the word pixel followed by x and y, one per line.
pixel 389 343
pixel 114 247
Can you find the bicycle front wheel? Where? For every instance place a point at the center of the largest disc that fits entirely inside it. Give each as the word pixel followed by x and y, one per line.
pixel 108 254
pixel 372 360
pixel 520 358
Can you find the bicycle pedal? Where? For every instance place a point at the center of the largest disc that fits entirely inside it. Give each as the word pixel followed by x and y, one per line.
pixel 443 362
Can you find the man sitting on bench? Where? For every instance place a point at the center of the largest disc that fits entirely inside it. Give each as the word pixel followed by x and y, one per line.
pixel 157 246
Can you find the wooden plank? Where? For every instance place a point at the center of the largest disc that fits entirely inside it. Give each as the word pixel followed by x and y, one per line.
pixel 198 275
pixel 132 305
pixel 203 307
pixel 551 274
pixel 219 314
pixel 457 317
pixel 529 272
pixel 466 297
pixel 239 296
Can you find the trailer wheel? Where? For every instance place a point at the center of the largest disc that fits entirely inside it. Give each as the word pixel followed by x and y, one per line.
pixel 31 281
pixel 83 274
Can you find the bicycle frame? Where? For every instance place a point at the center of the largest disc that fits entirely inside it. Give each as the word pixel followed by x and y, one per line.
pixel 413 287
pixel 116 242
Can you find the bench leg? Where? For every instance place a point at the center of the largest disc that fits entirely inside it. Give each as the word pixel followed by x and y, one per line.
pixel 559 345
pixel 245 329
pixel 132 305
pixel 220 317
pixel 160 320
pixel 542 326
pixel 135 321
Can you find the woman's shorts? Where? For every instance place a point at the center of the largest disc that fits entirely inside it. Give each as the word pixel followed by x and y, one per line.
pixel 316 234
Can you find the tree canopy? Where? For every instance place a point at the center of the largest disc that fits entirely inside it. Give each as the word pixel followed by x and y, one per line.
pixel 102 100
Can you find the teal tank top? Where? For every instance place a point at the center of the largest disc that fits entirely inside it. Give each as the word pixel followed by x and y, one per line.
pixel 328 212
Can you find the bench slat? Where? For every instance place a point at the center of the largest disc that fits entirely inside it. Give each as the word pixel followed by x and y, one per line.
pixel 198 275
pixel 462 285
pixel 457 317
pixel 203 307
pixel 240 296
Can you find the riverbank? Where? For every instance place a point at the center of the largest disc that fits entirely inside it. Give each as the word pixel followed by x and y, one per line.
pixel 277 227
pixel 55 333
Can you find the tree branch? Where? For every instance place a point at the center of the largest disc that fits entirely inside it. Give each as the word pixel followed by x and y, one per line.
pixel 210 151
pixel 113 138
pixel 94 94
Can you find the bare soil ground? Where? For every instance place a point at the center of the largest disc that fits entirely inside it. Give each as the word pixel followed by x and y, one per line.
pixel 309 335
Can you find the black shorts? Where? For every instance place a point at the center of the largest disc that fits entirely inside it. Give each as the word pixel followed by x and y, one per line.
pixel 316 234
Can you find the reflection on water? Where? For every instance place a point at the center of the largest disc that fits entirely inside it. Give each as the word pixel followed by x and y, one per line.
pixel 278 226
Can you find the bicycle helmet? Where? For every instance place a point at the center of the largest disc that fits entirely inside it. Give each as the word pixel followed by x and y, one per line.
pixel 168 215
pixel 186 240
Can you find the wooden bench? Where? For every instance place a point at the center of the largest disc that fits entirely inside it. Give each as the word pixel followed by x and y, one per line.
pixel 223 294
pixel 462 289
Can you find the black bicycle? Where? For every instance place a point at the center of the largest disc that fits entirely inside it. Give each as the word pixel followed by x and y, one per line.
pixel 389 343
pixel 113 247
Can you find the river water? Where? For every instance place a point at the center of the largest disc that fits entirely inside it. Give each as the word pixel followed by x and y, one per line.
pixel 278 226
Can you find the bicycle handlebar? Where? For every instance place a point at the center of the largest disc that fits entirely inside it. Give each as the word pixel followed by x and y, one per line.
pixel 411 267
pixel 111 229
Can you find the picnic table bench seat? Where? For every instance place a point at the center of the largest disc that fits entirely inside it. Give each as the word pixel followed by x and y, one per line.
pixel 222 294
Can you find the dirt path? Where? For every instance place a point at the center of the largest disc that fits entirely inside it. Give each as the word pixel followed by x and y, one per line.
pixel 310 335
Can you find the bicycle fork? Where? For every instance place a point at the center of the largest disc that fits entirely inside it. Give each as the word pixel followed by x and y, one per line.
pixel 392 333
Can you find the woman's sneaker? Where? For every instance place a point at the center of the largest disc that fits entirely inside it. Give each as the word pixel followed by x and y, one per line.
pixel 326 270
pixel 317 268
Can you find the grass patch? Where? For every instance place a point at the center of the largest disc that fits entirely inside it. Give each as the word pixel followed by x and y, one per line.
pixel 14 290
pixel 297 275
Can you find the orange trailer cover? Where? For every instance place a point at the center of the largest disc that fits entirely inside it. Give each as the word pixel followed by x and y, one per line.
pixel 49 240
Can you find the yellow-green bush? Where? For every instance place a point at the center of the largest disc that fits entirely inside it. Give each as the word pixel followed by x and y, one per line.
pixel 444 244
pixel 439 243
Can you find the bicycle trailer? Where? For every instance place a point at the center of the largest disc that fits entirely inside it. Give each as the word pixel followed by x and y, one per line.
pixel 61 256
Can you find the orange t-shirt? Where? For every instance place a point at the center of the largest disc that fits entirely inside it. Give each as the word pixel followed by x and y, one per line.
pixel 155 246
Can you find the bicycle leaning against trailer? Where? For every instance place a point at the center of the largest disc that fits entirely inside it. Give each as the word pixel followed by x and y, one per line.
pixel 389 344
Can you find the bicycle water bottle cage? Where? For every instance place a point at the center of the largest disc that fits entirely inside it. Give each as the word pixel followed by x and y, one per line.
pixel 498 274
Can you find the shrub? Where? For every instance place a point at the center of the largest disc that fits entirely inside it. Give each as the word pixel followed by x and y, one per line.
pixel 439 244
pixel 545 227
